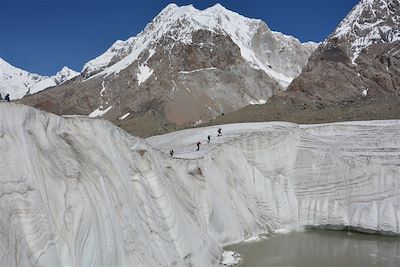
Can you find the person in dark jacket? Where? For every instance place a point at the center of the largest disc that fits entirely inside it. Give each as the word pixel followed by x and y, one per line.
pixel 7 98
pixel 171 152
pixel 198 146
pixel 208 139
pixel 219 132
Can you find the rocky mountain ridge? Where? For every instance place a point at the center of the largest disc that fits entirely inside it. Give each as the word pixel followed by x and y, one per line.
pixel 370 22
pixel 186 67
pixel 179 24
pixel 353 75
pixel 360 57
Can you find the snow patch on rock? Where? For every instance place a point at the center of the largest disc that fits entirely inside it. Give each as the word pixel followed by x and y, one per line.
pixel 123 117
pixel 230 258
pixel 144 73
pixel 197 70
pixel 370 22
pixel 257 102
pixel 99 112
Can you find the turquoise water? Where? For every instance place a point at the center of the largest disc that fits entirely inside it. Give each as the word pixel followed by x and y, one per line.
pixel 321 248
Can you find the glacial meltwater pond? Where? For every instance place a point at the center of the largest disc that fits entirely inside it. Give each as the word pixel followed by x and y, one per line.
pixel 320 248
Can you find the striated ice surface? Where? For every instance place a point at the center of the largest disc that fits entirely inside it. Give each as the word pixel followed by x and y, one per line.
pixel 76 191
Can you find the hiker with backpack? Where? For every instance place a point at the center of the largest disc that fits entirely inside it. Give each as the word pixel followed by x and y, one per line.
pixel 198 146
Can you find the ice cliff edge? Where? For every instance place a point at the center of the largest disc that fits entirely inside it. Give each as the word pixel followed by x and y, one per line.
pixel 80 191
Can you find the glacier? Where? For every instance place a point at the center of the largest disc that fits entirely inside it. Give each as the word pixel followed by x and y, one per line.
pixel 77 191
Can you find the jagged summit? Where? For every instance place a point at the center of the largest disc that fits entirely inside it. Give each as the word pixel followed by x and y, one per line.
pixel 65 74
pixel 176 22
pixel 174 11
pixel 179 23
pixel 187 66
pixel 359 59
pixel 369 22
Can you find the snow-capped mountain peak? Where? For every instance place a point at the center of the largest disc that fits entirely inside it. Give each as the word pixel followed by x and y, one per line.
pixel 64 74
pixel 7 71
pixel 178 24
pixel 60 77
pixel 18 82
pixel 213 61
pixel 15 81
pixel 370 22
pixel 117 51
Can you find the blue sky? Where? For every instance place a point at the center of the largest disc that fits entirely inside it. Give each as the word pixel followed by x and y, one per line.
pixel 42 36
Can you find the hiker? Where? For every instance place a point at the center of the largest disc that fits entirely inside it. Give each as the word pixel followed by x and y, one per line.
pixel 7 98
pixel 219 132
pixel 198 146
pixel 171 152
pixel 208 139
pixel 1 98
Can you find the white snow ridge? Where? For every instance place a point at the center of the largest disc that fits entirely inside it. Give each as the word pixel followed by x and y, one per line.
pixel 19 83
pixel 81 192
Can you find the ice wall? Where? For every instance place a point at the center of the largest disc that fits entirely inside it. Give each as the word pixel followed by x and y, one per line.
pixel 81 192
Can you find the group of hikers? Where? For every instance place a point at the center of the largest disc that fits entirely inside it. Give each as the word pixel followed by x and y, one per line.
pixel 6 98
pixel 209 139
pixel 219 133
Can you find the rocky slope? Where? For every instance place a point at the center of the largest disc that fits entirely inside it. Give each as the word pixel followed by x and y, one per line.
pixel 362 56
pixel 82 192
pixel 187 66
pixel 19 83
pixel 353 75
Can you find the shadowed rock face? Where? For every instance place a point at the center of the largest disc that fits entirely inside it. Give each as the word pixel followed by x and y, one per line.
pixel 204 81
pixel 362 54
pixel 353 75
pixel 334 54
pixel 184 68
pixel 330 77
